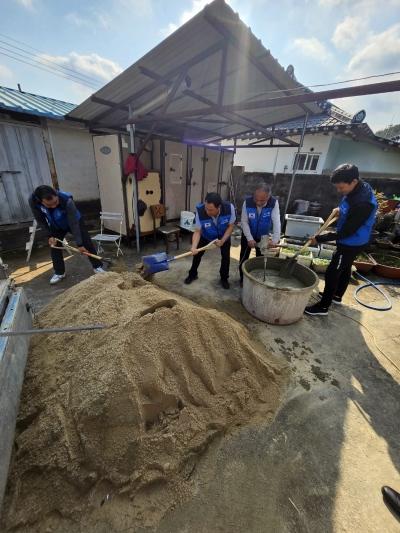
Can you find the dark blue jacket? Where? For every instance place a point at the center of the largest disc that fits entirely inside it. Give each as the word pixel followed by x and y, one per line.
pixel 209 229
pixel 57 218
pixel 362 194
pixel 260 224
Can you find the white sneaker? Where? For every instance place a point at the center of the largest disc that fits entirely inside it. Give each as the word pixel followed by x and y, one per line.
pixel 99 270
pixel 56 278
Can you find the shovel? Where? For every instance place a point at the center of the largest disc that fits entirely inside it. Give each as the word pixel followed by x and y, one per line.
pixel 290 262
pixel 68 247
pixel 159 262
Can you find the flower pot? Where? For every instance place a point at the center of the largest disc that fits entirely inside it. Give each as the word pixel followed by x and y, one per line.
pixel 386 271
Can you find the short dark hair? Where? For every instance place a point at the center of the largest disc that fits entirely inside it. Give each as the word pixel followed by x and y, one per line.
pixel 213 198
pixel 44 192
pixel 345 173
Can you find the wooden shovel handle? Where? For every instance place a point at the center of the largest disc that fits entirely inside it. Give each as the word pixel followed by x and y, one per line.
pixel 202 249
pixel 65 245
pixel 330 220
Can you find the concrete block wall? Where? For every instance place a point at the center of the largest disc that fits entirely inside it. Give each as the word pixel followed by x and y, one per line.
pixel 314 188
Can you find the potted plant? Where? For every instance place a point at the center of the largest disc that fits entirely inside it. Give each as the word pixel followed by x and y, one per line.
pixel 387 265
pixel 364 262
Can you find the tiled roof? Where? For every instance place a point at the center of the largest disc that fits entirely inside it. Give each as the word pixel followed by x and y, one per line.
pixel 332 119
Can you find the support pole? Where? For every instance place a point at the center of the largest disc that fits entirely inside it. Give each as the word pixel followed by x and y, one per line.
pixel 295 166
pixel 134 186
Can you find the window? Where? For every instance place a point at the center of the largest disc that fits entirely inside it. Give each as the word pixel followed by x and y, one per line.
pixel 306 162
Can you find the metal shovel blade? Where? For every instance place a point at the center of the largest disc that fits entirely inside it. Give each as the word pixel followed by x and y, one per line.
pixel 288 267
pixel 155 263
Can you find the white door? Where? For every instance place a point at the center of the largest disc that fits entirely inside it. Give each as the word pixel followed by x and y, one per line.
pixel 23 167
pixel 196 178
pixel 226 169
pixel 108 163
pixel 175 161
pixel 212 171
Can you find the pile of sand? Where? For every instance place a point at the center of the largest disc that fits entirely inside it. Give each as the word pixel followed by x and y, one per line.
pixel 112 422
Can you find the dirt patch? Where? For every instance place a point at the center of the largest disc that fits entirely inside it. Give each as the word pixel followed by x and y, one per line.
pixel 112 422
pixel 319 373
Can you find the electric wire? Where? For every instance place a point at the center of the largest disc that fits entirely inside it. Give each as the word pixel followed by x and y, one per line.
pixel 45 69
pixel 47 60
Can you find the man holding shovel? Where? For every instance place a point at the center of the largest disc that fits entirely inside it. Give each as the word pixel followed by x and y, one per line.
pixel 260 215
pixel 56 213
pixel 214 220
pixel 356 213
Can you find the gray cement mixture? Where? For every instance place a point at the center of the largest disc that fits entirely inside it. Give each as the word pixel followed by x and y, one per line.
pixel 273 279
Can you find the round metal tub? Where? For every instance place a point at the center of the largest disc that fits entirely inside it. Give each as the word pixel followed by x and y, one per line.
pixel 271 304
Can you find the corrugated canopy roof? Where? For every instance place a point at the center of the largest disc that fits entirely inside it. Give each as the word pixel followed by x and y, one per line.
pixel 212 61
pixel 33 104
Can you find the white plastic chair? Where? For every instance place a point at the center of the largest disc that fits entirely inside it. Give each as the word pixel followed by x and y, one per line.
pixel 107 237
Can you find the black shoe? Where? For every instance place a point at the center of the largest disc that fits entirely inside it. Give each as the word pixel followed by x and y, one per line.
pixel 335 299
pixel 316 310
pixel 392 499
pixel 190 278
pixel 225 284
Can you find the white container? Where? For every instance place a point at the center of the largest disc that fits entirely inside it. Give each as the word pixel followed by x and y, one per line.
pixel 187 219
pixel 302 226
pixel 325 253
pixel 320 269
pixel 305 260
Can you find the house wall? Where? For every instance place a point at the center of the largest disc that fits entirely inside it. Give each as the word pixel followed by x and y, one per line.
pixel 74 160
pixel 276 159
pixel 370 159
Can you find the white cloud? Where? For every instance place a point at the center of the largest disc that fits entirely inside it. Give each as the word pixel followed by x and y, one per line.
pixel 349 31
pixel 6 74
pixel 382 109
pixel 377 55
pixel 367 7
pixel 311 47
pixel 196 7
pixel 90 64
pixel 332 3
pixel 95 19
pixel 380 53
pixel 139 8
pixel 76 19
pixel 28 4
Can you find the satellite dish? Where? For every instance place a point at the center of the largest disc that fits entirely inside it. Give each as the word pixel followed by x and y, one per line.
pixel 359 117
pixel 290 71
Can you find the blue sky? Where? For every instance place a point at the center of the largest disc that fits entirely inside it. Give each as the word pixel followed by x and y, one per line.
pixel 325 40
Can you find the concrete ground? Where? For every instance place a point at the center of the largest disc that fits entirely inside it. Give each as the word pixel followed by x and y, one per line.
pixel 336 439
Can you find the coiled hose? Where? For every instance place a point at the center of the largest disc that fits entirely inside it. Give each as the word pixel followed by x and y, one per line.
pixel 370 283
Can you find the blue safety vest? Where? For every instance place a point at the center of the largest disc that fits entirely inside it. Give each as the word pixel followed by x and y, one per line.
pixel 57 218
pixel 260 224
pixel 209 229
pixel 364 193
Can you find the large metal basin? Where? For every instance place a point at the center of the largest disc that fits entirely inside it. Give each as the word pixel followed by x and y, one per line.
pixel 276 305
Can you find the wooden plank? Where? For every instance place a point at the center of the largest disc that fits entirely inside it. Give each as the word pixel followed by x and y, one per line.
pixel 13 355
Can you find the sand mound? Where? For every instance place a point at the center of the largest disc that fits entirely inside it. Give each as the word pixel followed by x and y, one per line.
pixel 112 421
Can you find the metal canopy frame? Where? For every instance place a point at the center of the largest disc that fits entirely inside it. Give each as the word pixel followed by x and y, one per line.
pixel 217 31
pixel 224 114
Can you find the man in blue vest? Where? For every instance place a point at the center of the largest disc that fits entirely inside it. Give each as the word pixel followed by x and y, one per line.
pixel 57 215
pixel 260 216
pixel 214 220
pixel 356 213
